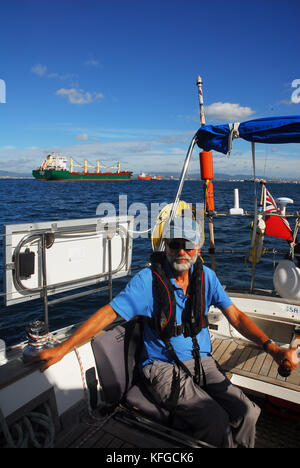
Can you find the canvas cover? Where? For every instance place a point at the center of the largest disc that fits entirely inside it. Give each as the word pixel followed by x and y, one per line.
pixel 267 130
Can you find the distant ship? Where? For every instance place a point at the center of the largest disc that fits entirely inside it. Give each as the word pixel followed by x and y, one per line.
pixel 143 176
pixel 55 168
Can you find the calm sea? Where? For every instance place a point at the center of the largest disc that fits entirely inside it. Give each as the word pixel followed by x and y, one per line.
pixel 25 201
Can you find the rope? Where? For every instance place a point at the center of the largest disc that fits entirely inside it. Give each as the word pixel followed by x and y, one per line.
pixel 101 423
pixel 34 430
pixel 139 232
pixel 45 339
pixel 147 230
pixel 84 385
pixel 39 341
pixel 205 198
pixel 293 243
pixel 49 337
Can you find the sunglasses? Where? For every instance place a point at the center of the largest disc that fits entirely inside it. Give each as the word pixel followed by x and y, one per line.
pixel 180 244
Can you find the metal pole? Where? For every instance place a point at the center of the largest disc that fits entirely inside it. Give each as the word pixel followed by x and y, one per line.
pixel 44 274
pixel 109 268
pixel 258 214
pixel 182 178
pixel 179 190
pixel 201 104
pixel 210 218
pixel 190 150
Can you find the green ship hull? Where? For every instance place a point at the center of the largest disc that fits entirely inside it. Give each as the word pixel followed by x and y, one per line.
pixel 52 174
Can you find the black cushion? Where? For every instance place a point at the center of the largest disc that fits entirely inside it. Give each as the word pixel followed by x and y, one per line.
pixel 117 354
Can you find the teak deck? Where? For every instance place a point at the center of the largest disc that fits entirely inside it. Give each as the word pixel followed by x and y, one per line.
pixel 250 361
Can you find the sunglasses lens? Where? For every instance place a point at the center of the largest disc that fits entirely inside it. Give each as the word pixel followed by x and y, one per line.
pixel 174 245
pixel 177 245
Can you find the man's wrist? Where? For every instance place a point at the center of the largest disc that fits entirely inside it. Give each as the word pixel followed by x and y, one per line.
pixel 267 344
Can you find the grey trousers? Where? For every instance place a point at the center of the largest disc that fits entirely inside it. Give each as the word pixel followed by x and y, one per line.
pixel 220 415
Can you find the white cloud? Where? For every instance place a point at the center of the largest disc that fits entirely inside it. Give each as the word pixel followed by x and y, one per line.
pixel 92 63
pixel 226 111
pixel 142 152
pixel 78 96
pixel 82 137
pixel 39 69
pixel 59 76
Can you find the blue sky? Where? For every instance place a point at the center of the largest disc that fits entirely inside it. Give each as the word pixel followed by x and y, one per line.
pixel 116 80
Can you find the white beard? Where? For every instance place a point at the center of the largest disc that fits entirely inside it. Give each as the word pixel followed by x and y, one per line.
pixel 180 267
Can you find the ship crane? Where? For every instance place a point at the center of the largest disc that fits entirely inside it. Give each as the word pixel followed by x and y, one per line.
pixel 73 165
pixel 99 166
pixel 86 166
pixel 115 167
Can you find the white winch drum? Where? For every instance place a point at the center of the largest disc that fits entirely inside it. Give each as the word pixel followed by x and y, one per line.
pixel 286 280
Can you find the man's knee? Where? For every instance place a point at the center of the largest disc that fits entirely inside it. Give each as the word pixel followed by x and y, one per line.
pixel 219 430
pixel 244 427
pixel 246 411
pixel 212 427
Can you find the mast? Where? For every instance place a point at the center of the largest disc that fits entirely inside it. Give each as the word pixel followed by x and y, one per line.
pixel 200 97
pixel 206 165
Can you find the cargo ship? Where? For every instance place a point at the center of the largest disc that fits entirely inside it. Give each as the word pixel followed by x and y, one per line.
pixel 143 176
pixel 55 168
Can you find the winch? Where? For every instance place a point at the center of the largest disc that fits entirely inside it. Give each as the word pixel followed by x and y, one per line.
pixel 38 339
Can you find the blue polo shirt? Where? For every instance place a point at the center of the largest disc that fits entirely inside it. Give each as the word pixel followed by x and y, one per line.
pixel 140 298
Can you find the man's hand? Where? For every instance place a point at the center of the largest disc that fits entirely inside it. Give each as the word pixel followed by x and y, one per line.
pixel 283 354
pixel 50 356
pixel 250 330
pixel 101 319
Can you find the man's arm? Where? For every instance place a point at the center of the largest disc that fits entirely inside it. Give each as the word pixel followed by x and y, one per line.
pixel 244 325
pixel 101 319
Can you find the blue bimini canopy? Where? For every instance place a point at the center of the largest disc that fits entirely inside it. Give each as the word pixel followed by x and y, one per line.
pixel 267 130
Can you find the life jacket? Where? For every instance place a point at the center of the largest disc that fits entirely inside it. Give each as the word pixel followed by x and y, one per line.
pixel 194 318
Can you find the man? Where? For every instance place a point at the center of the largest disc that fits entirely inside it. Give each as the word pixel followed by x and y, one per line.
pixel 174 295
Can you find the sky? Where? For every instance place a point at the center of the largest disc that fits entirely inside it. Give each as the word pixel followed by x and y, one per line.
pixel 116 80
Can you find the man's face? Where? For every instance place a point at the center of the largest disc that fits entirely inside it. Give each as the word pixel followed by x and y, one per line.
pixel 181 254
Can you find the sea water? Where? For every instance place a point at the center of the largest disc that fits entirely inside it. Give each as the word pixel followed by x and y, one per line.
pixel 27 200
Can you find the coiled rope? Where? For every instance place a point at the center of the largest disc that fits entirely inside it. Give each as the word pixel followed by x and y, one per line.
pixel 36 429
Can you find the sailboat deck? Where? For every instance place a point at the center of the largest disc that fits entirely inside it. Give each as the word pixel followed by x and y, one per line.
pixel 274 430
pixel 249 361
pixel 124 429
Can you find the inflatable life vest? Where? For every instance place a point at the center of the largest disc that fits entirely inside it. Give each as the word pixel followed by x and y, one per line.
pixel 194 318
pixel 164 323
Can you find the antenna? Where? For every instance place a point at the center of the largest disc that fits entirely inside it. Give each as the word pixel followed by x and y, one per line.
pixel 200 96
